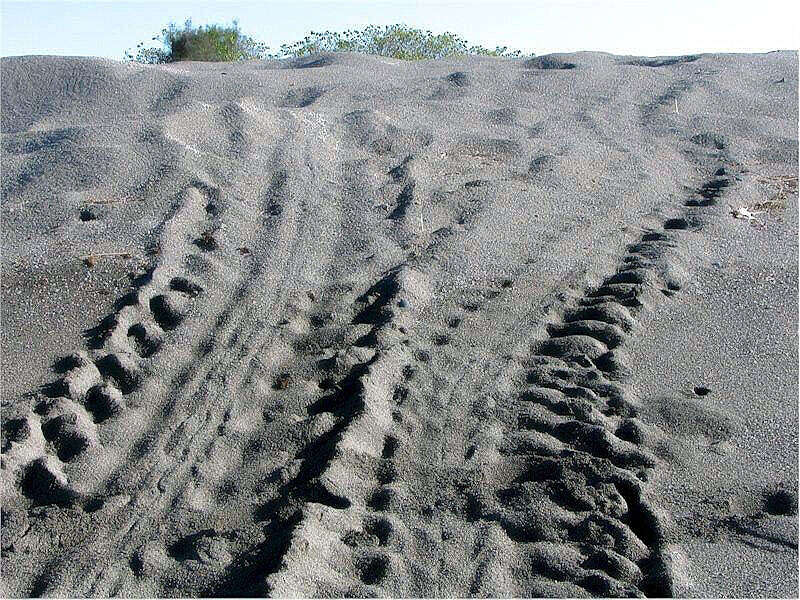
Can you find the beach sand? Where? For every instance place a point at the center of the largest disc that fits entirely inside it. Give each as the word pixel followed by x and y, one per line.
pixel 351 326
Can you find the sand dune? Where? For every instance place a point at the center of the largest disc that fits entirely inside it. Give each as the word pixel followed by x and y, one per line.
pixel 350 326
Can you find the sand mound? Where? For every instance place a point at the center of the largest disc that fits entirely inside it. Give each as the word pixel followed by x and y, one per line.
pixel 349 326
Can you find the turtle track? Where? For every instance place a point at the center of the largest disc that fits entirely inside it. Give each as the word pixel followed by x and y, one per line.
pixel 345 538
pixel 573 513
pixel 172 423
pixel 64 420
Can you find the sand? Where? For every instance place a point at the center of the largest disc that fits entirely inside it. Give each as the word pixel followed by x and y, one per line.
pixel 350 326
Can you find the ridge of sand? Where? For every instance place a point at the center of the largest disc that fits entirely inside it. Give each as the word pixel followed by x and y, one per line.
pixel 354 326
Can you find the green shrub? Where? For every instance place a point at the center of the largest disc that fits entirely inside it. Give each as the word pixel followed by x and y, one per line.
pixel 393 41
pixel 219 43
pixel 227 43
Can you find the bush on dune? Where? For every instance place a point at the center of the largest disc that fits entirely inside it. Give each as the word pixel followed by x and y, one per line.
pixel 227 43
pixel 393 41
pixel 218 43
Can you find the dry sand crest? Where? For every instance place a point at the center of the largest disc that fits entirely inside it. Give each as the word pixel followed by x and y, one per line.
pixel 344 325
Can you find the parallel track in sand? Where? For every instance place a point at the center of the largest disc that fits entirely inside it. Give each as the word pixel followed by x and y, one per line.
pixel 257 417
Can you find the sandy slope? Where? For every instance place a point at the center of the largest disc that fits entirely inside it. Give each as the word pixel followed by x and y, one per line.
pixel 354 326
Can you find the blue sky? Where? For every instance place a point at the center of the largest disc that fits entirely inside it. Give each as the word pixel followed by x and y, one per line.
pixel 646 27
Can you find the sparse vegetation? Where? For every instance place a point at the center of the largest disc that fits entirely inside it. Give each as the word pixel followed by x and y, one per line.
pixel 228 43
pixel 783 186
pixel 90 260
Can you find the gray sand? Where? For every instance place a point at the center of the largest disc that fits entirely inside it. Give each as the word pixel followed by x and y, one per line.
pixel 355 326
